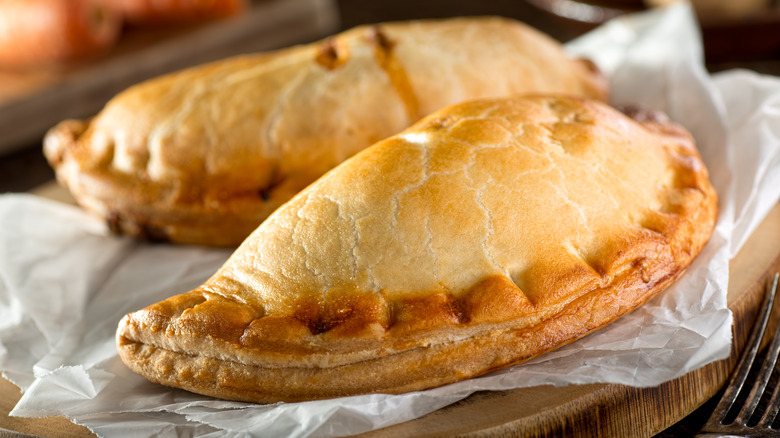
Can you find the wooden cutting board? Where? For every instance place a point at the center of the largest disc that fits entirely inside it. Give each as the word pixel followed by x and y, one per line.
pixel 596 410
pixel 33 101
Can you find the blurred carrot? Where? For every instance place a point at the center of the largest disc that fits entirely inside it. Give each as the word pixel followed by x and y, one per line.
pixel 178 11
pixel 37 32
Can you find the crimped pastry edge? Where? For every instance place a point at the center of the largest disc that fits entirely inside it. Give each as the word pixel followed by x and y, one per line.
pixel 418 368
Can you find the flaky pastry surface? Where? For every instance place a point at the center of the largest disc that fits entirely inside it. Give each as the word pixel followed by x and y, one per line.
pixel 204 155
pixel 486 234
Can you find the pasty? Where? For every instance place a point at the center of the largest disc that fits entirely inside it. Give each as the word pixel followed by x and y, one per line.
pixel 202 156
pixel 486 234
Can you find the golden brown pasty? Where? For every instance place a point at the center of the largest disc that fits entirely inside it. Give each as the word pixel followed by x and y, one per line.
pixel 486 234
pixel 204 155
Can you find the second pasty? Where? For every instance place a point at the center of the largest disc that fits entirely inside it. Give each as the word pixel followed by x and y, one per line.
pixel 204 155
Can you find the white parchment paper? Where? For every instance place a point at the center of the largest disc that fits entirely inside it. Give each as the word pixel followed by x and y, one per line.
pixel 65 282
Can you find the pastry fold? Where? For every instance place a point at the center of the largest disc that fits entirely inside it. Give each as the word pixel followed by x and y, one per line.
pixel 486 234
pixel 204 155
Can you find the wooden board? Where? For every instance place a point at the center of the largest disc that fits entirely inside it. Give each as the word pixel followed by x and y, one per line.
pixel 577 410
pixel 33 101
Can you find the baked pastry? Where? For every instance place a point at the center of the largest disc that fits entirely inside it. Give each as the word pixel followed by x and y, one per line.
pixel 486 234
pixel 204 155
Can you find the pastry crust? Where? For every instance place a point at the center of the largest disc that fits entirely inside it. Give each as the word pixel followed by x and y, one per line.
pixel 204 155
pixel 486 234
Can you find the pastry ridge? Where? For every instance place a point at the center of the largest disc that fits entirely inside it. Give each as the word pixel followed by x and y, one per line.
pixel 486 234
pixel 203 155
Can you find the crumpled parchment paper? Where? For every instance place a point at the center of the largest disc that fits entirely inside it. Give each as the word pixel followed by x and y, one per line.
pixel 65 281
